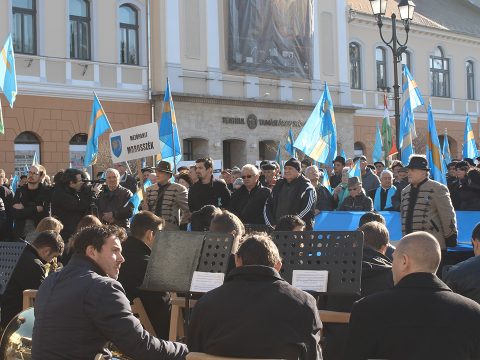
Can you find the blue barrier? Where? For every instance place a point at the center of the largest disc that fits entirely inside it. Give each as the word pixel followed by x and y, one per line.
pixel 348 221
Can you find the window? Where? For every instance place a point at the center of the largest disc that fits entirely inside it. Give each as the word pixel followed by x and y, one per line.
pixel 470 80
pixel 380 58
pixel 128 35
pixel 77 147
pixel 358 148
pixel 407 60
pixel 187 150
pixel 440 74
pixel 24 26
pixel 79 29
pixel 26 147
pixel 355 70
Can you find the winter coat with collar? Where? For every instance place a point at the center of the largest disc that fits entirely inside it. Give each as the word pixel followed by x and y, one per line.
pixel 419 318
pixel 255 306
pixel 78 310
pixel 248 205
pixel 361 202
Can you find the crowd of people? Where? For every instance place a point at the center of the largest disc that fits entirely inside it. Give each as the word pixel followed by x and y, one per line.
pixel 88 246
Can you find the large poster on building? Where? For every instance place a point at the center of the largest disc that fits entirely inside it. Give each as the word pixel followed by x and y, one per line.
pixel 273 36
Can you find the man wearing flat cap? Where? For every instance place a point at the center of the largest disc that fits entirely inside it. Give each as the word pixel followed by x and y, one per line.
pixel 268 178
pixel 426 205
pixel 292 195
pixel 165 199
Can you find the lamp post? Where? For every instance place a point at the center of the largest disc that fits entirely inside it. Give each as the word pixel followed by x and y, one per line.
pixel 406 9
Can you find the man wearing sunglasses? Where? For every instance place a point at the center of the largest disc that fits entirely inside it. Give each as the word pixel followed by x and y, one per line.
pixel 248 201
pixel 31 202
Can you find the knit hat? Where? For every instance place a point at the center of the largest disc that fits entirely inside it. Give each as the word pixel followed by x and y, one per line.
pixel 295 164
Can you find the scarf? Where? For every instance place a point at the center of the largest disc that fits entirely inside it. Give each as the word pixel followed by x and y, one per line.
pixel 377 203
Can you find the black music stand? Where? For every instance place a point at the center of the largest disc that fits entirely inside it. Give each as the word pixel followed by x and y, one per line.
pixel 177 254
pixel 10 253
pixel 338 252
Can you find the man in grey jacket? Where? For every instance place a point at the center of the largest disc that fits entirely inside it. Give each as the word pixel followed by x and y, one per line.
pixel 370 181
pixel 81 308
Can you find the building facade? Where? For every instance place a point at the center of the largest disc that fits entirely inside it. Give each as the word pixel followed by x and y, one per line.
pixel 241 72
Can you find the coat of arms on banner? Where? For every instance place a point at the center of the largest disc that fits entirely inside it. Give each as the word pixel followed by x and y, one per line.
pixel 116 144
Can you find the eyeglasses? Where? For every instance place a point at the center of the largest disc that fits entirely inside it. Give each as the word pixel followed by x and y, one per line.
pixel 33 173
pixel 247 176
pixel 353 189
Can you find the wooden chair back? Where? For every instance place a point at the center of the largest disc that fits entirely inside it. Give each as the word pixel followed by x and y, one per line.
pixel 139 311
pixel 29 296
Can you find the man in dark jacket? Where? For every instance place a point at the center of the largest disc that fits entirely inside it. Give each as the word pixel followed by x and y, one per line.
pixel 6 229
pixel 370 181
pixel 248 201
pixel 31 202
pixel 275 319
pixel 81 308
pixel 463 278
pixel 325 200
pixel 29 272
pixel 127 181
pixel 71 201
pixel 376 267
pixel 207 190
pixel 338 165
pixel 356 200
pixel 420 317
pixel 136 251
pixel 292 195
pixel 114 206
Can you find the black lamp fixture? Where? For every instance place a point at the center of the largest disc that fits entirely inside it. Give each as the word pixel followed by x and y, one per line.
pixel 406 8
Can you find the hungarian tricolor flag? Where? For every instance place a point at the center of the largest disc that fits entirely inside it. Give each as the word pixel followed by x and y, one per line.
pixel 389 147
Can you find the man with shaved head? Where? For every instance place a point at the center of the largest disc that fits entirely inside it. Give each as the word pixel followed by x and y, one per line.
pixel 420 317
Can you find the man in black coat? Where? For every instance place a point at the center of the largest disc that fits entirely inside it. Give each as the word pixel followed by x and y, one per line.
pixel 292 195
pixel 31 202
pixel 83 307
pixel 248 201
pixel 114 206
pixel 464 277
pixel 29 272
pixel 376 267
pixel 207 190
pixel 6 229
pixel 136 251
pixel 127 181
pixel 255 313
pixel 420 318
pixel 71 201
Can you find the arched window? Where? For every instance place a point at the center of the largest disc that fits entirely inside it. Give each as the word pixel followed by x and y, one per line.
pixel 79 29
pixel 355 69
pixel 128 35
pixel 470 80
pixel 381 61
pixel 27 150
pixel 77 147
pixel 440 74
pixel 24 26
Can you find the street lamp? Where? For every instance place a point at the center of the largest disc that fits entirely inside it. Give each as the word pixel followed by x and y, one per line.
pixel 406 9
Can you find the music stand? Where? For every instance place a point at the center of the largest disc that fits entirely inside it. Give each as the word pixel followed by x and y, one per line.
pixel 10 253
pixel 177 254
pixel 338 252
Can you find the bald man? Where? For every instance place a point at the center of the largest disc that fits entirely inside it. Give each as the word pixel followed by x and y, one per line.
pixel 420 317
